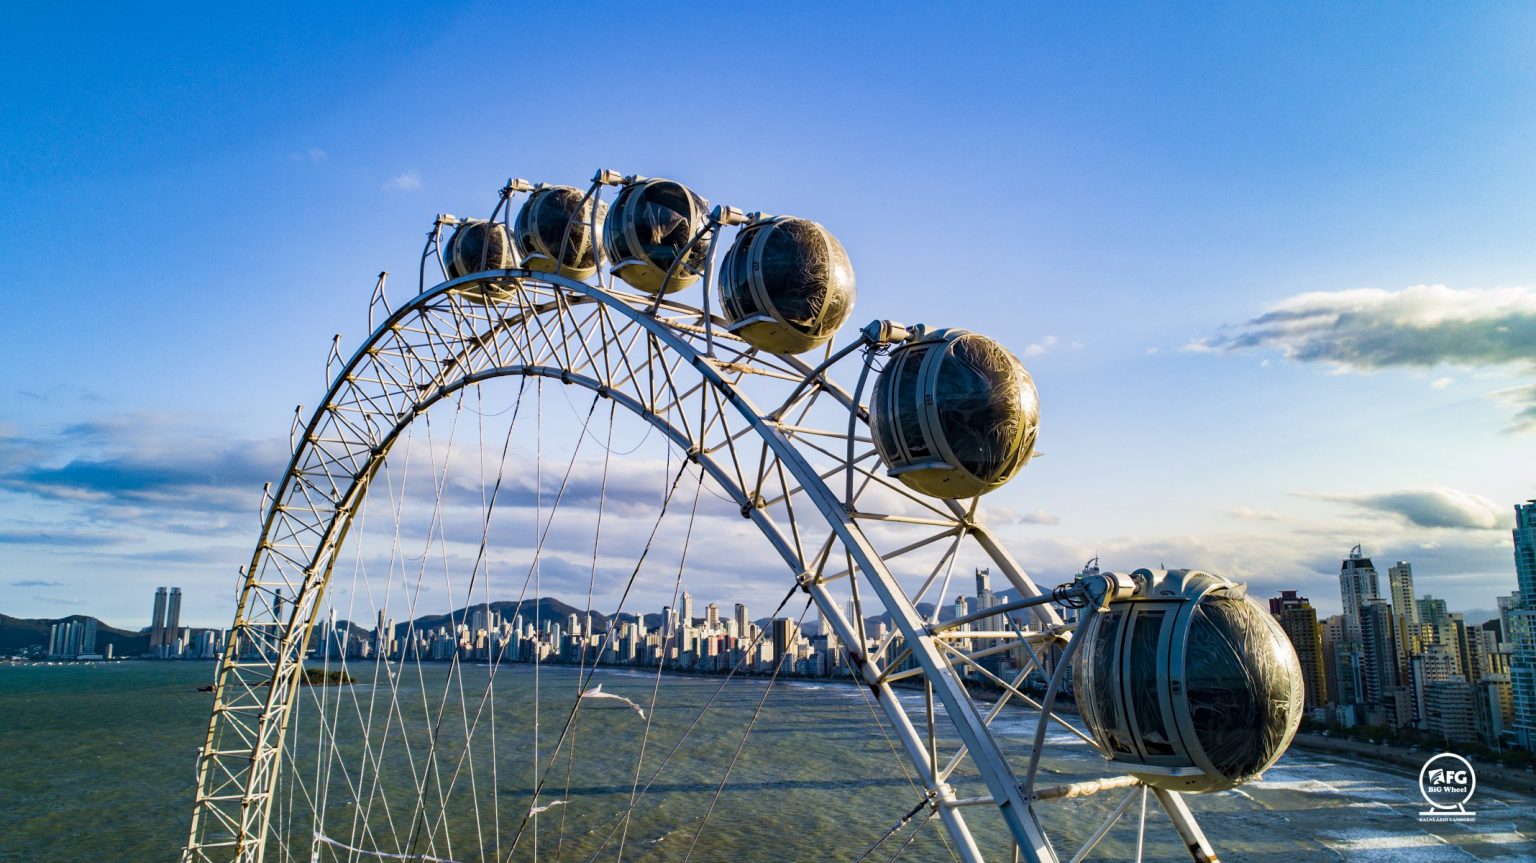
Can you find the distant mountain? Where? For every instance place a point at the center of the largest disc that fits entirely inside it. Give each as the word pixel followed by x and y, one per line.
pixel 20 633
pixel 533 611
pixel 558 611
pixel 1477 616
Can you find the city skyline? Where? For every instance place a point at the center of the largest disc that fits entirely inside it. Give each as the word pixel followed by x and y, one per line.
pixel 1271 314
pixel 1407 663
pixel 1400 582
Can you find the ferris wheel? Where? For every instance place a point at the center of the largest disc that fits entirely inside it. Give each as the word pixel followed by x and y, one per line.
pixel 522 453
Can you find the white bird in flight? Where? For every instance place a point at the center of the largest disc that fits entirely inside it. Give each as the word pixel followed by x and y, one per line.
pixel 597 692
pixel 552 804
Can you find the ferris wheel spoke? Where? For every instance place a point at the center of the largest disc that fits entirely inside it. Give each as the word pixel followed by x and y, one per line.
pixel 455 674
pixel 650 717
pixel 725 776
pixel 542 775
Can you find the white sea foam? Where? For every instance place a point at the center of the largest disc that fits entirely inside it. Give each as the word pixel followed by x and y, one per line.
pixel 1367 845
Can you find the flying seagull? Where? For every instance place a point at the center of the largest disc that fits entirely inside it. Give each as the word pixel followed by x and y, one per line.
pixel 597 692
pixel 537 809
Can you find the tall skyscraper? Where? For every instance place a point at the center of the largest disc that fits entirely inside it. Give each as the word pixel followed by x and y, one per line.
pixel 88 637
pixel 1431 610
pixel 1521 621
pixel 1383 659
pixel 1341 653
pixel 985 598
pixel 828 633
pixel 712 616
pixel 172 619
pixel 157 620
pixel 381 636
pixel 743 622
pixel 687 608
pixel 1357 583
pixel 1400 584
pixel 1299 620
pixel 786 635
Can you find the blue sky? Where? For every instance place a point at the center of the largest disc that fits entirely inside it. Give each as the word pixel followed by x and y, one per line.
pixel 1270 265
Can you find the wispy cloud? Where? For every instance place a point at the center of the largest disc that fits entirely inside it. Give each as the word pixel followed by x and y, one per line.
pixel 33 582
pixel 1419 327
pixel 153 469
pixel 1040 347
pixel 1523 399
pixel 1005 515
pixel 64 537
pixel 1430 507
pixel 406 181
pixel 310 154
pixel 1249 514
pixel 1366 329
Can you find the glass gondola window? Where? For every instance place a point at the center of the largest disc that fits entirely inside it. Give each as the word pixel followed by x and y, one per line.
pixel 1144 644
pixel 477 246
pixel 1240 689
pixel 961 412
pixel 787 285
pixel 554 233
pixel 911 421
pixel 1096 695
pixel 648 232
pixel 1188 685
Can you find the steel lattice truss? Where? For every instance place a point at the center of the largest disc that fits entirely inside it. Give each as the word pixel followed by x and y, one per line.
pixel 787 444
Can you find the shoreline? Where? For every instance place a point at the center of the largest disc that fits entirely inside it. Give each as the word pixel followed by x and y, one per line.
pixel 1518 781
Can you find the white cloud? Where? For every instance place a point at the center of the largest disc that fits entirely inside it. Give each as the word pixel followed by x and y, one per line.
pixel 1005 515
pixel 1040 347
pixel 408 181
pixel 1523 398
pixel 1368 328
pixel 1431 507
pixel 1442 383
pixel 1249 514
pixel 1419 327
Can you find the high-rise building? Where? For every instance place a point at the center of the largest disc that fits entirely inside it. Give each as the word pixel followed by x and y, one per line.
pixel 1341 652
pixel 1357 583
pixel 687 608
pixel 64 639
pixel 1451 710
pixel 88 637
pixel 1400 585
pixel 381 636
pixel 1520 628
pixel 1386 699
pixel 1299 620
pixel 786 636
pixel 743 622
pixel 172 617
pixel 1495 707
pixel 157 620
pixel 830 635
pixel 165 625
pixel 984 587
pixel 1432 610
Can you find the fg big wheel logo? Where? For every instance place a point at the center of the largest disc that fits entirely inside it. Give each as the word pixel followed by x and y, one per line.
pixel 1446 782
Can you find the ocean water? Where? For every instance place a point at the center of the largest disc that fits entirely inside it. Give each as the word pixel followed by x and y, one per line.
pixel 96 763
